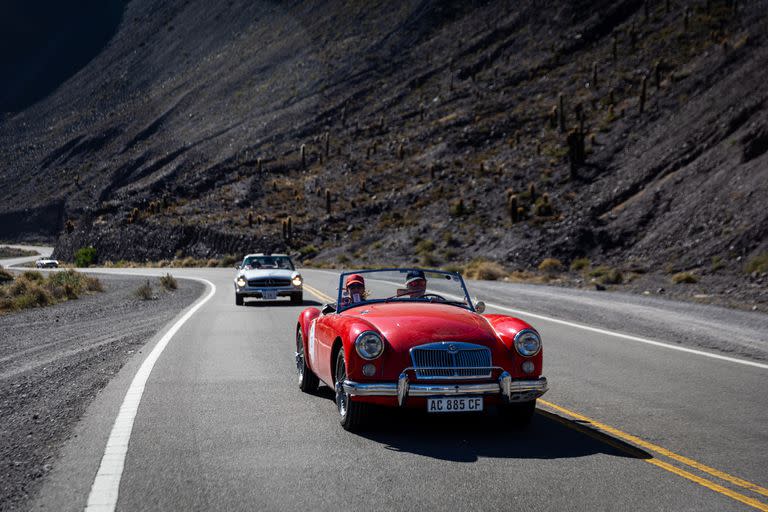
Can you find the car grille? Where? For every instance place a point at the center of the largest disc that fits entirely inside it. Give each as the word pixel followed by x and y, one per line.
pixel 451 360
pixel 270 282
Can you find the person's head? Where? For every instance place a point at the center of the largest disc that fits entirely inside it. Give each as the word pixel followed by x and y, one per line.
pixel 416 283
pixel 355 285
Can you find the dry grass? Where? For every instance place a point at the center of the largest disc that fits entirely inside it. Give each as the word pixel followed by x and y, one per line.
pixel 684 277
pixel 169 282
pixel 551 265
pixel 484 270
pixel 32 289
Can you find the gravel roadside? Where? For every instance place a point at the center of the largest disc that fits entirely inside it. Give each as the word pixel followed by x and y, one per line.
pixel 55 360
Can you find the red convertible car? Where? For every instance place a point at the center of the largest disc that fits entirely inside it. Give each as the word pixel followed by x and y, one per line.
pixel 413 338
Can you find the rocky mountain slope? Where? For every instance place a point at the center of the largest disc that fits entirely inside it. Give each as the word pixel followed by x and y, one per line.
pixel 632 133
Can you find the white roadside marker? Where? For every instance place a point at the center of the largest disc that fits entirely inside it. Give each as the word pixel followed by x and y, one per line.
pixel 103 496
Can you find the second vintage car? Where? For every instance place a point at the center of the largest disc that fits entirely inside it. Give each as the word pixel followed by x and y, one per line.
pixel 413 338
pixel 268 276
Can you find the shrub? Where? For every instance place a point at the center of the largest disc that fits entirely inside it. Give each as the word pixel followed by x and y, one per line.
pixel 229 260
pixel 5 276
pixel 33 275
pixel 144 292
pixel 717 263
pixel 758 263
pixel 550 265
pixel 425 246
pixel 85 257
pixel 684 277
pixel 309 251
pixel 613 276
pixel 35 296
pixel 580 264
pixel 169 282
pixel 484 270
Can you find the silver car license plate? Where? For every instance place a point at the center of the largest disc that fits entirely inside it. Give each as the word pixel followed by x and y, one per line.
pixel 455 404
pixel 269 294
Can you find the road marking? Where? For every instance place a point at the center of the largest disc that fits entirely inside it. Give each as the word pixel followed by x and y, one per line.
pixel 606 429
pixel 317 293
pixel 106 484
pixel 634 440
pixel 614 333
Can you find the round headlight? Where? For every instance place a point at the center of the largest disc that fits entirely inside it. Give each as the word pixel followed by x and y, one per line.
pixel 369 345
pixel 240 281
pixel 297 281
pixel 527 343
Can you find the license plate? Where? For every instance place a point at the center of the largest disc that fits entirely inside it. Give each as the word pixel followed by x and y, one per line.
pixel 269 294
pixel 457 404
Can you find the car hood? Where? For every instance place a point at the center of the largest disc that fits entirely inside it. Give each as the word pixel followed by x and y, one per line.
pixel 406 325
pixel 267 272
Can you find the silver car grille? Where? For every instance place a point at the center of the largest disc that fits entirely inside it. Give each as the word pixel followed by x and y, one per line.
pixel 451 360
pixel 269 282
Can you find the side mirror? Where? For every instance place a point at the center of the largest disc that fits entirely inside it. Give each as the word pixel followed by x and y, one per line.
pixel 237 267
pixel 479 306
pixel 328 308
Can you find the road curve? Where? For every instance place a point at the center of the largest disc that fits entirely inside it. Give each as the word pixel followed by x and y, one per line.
pixel 222 425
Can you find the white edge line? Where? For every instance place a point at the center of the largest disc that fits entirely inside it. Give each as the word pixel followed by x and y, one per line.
pixel 106 484
pixel 612 333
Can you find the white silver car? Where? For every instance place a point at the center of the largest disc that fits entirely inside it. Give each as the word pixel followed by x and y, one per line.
pixel 47 263
pixel 267 277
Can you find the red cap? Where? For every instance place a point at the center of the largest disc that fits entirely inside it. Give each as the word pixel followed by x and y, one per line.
pixel 354 279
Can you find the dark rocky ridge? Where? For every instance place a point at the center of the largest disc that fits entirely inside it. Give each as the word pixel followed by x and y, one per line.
pixel 185 98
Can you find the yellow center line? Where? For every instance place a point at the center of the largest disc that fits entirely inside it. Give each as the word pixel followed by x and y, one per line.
pixel 317 293
pixel 599 431
pixel 661 451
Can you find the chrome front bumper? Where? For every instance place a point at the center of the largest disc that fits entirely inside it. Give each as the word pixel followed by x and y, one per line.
pixel 510 390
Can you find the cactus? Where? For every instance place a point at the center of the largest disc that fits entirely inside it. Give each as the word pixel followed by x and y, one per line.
pixel 250 219
pixel 553 117
pixel 657 73
pixel 368 152
pixel 532 191
pixel 432 172
pixel 69 226
pixel 543 206
pixel 561 111
pixel 594 75
pixel 643 90
pixel 512 208
pixel 611 97
pixel 303 152
pixel 328 201
pixel 362 185
pixel 285 229
pixel 576 151
pixel 400 152
pixel 259 165
pixel 289 227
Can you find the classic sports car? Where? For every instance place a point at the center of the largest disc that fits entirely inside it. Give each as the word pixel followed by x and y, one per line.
pixel 413 338
pixel 268 276
pixel 47 263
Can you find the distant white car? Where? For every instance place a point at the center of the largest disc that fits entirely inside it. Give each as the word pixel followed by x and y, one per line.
pixel 47 263
pixel 267 277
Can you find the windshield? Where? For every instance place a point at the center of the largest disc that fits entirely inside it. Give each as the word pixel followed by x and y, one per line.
pixel 252 262
pixel 401 285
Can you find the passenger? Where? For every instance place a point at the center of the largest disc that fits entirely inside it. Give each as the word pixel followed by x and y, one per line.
pixel 415 284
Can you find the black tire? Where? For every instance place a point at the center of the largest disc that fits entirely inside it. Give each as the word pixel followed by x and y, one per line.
pixel 308 381
pixel 352 414
pixel 519 414
pixel 238 299
pixel 297 298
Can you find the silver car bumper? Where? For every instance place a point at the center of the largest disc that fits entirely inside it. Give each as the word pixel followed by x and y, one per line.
pixel 505 387
pixel 283 291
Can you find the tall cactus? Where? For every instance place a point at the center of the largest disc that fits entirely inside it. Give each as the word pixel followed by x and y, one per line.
pixel 561 111
pixel 328 201
pixel 303 151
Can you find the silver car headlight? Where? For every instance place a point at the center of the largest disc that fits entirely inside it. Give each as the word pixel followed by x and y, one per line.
pixel 297 281
pixel 369 345
pixel 527 343
pixel 241 281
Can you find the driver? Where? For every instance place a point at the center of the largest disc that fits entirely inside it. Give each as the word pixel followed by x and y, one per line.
pixel 415 284
pixel 355 287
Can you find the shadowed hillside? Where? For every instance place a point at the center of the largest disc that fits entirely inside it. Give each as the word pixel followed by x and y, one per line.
pixel 631 133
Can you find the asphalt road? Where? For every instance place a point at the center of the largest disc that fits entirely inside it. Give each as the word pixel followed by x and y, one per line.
pixel 627 425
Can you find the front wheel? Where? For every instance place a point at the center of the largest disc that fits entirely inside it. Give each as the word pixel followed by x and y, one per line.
pixel 308 381
pixel 238 299
pixel 519 414
pixel 297 298
pixel 352 414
